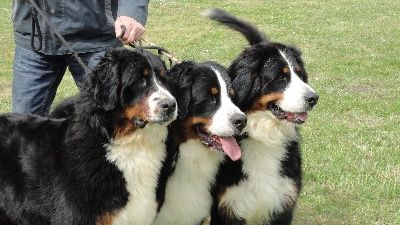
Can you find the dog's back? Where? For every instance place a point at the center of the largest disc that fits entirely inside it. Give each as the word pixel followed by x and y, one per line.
pixel 27 162
pixel 65 108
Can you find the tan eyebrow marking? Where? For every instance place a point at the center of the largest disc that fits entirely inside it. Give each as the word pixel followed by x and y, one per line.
pixel 286 70
pixel 146 72
pixel 214 91
pixel 297 69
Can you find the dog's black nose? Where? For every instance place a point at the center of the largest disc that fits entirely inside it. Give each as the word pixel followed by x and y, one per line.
pixel 312 99
pixel 239 121
pixel 167 105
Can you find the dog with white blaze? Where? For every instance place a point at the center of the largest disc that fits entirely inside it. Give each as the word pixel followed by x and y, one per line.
pixel 270 85
pixel 198 141
pixel 98 159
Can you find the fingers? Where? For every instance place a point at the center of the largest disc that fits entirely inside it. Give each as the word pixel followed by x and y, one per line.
pixel 128 30
pixel 136 33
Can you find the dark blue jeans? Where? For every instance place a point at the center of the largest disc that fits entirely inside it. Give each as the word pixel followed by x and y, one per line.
pixel 36 77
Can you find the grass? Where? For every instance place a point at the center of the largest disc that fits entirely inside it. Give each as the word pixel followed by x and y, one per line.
pixel 351 142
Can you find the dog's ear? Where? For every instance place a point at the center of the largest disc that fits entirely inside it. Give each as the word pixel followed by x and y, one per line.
pixel 105 82
pixel 246 83
pixel 181 78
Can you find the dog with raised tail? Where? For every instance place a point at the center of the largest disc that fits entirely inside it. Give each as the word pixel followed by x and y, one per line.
pixel 270 85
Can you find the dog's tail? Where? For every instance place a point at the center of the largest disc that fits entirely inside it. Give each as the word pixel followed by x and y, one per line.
pixel 252 33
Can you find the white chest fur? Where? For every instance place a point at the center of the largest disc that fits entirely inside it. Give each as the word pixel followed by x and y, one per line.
pixel 139 157
pixel 266 190
pixel 187 199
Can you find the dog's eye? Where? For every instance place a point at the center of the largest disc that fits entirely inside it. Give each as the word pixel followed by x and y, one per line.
pixel 143 82
pixel 212 99
pixel 282 76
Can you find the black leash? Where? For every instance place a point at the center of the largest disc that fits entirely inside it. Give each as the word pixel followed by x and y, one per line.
pixel 35 23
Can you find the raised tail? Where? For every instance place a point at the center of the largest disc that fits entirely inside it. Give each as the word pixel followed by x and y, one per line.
pixel 251 32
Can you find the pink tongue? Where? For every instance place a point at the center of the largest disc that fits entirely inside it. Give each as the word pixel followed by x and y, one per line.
pixel 230 147
pixel 303 116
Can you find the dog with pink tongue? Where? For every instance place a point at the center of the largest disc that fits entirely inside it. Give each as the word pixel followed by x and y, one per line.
pixel 198 141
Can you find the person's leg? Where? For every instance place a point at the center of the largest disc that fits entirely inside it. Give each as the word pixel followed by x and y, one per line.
pixel 91 59
pixel 35 80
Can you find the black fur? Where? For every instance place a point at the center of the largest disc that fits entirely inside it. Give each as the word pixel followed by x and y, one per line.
pixel 65 108
pixel 54 171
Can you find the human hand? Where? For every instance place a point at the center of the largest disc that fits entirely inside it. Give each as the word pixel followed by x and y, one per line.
pixel 133 30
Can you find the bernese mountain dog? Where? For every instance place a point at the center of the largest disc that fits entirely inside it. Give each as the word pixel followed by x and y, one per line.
pixel 100 164
pixel 198 141
pixel 270 85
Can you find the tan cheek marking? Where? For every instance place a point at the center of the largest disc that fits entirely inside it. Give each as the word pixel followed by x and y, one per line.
pixel 214 91
pixel 138 111
pixel 125 124
pixel 261 103
pixel 106 219
pixel 191 121
pixel 162 73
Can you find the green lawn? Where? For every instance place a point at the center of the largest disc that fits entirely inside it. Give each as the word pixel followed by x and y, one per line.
pixel 351 142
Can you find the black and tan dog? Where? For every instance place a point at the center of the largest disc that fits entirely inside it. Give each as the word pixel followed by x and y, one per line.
pixel 101 164
pixel 270 85
pixel 197 142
